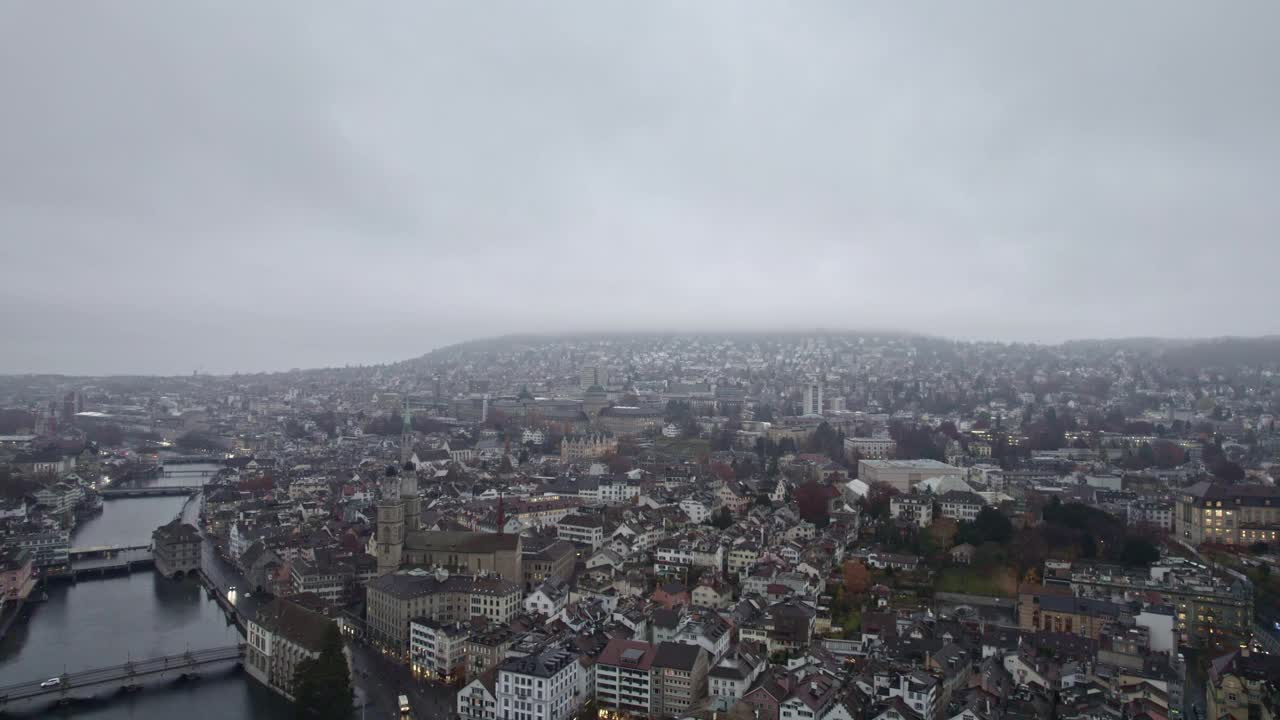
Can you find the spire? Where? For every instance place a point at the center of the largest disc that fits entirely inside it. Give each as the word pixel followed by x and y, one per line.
pixel 406 434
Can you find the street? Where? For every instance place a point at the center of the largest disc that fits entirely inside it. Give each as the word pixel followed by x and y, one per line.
pixel 385 680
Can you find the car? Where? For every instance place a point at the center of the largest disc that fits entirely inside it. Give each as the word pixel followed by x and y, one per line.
pixel 51 682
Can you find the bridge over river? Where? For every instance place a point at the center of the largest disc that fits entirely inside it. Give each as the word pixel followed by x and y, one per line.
pixel 134 675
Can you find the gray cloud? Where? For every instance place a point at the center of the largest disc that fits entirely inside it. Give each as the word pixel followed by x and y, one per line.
pixel 235 187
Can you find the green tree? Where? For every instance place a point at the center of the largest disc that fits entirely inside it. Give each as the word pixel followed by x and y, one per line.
pixel 322 687
pixel 1138 552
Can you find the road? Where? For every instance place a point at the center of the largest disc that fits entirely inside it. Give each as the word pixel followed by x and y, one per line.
pixel 384 680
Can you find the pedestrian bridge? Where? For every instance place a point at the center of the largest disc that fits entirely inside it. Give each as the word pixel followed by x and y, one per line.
pixel 194 460
pixel 150 491
pixel 126 676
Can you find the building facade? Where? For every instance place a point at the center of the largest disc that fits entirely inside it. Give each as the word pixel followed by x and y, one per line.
pixel 624 682
pixel 542 686
pixel 281 635
pixel 902 475
pixel 870 448
pixel 176 548
pixel 393 600
pixel 438 650
pixel 581 447
pixel 1227 514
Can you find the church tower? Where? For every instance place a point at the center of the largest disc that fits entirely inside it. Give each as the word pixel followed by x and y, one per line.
pixel 390 523
pixel 409 496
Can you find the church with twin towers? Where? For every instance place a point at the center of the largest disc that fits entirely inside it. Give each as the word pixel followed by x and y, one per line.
pixel 401 541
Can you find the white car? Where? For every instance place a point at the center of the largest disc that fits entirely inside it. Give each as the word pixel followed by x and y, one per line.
pixel 51 682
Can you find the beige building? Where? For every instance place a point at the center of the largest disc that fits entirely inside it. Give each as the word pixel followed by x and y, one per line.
pixel 870 448
pixel 281 635
pixel 681 674
pixel 176 548
pixel 1239 685
pixel 587 446
pixel 393 600
pixel 1227 514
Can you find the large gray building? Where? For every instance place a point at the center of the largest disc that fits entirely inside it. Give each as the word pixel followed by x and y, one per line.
pixel 176 547
pixel 902 475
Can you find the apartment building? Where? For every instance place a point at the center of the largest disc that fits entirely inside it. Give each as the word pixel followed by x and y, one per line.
pixel 585 530
pixel 438 650
pixel 541 686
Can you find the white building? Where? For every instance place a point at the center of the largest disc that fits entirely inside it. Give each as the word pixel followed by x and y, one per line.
pixel 476 701
pixel 697 511
pixel 915 508
pixel 961 506
pixel 582 529
pixel 617 491
pixel 543 686
pixel 548 598
pixel 624 678
pixel 437 650
pixel 813 398
pixel 870 448
pixel 1154 514
pixel 730 679
pixel 60 498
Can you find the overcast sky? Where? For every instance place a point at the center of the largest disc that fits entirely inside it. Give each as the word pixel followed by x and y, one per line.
pixel 255 186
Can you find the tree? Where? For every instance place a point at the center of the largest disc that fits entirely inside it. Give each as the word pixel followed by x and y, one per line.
pixel 876 503
pixel 763 413
pixel 856 577
pixel 813 502
pixel 1228 471
pixel 991 525
pixel 1138 552
pixel 196 440
pixel 722 519
pixel 322 687
pixel 944 532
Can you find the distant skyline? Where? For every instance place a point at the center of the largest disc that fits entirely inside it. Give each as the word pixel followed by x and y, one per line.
pixel 260 187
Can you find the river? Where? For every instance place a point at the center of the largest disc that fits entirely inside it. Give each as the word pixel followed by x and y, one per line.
pixel 103 622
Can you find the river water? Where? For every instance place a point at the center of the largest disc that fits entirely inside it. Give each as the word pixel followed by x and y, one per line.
pixel 101 622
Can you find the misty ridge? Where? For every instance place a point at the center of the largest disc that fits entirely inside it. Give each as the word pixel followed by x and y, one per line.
pixel 186 191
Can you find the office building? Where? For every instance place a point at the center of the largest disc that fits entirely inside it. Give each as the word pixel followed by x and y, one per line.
pixel 1210 512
